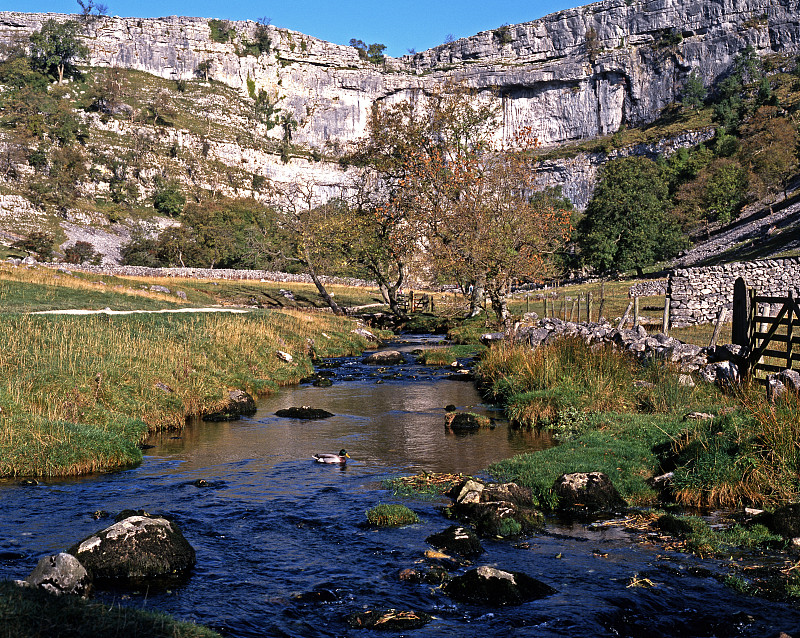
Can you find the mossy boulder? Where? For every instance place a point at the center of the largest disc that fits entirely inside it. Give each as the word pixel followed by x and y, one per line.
pixel 137 547
pixel 587 493
pixel 466 422
pixel 384 358
pixel 496 588
pixel 60 574
pixel 504 510
pixel 391 515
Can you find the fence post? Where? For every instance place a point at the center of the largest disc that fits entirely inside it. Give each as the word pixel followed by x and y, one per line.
pixel 411 302
pixel 624 319
pixel 589 307
pixel 720 320
pixel 789 331
pixel 600 310
pixel 635 311
pixel 741 314
pixel 665 320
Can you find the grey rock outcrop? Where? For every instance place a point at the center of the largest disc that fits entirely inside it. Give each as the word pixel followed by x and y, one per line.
pixel 60 574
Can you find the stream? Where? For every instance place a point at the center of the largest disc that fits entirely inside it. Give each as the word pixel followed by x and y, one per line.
pixel 282 545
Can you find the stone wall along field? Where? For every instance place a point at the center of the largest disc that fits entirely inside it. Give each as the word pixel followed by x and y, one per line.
pixel 698 294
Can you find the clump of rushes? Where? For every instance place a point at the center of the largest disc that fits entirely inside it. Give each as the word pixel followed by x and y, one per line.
pixel 78 394
pixel 424 484
pixel 391 515
pixel 747 456
pixel 537 384
pixel 32 612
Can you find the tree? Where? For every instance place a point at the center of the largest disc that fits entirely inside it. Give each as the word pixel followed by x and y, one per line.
pixel 769 148
pixel 308 219
pixel 168 199
pixel 370 52
pixel 627 224
pixel 160 106
pixel 204 69
pixel 464 200
pixel 55 48
pixel 694 91
pixel 39 242
pixel 81 252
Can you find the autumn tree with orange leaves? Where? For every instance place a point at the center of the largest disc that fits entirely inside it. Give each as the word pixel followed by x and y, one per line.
pixel 463 199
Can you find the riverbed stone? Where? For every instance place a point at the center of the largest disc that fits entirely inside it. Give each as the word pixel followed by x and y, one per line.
pixel 238 403
pixel 388 619
pixel 136 547
pixel 457 539
pixel 384 358
pixel 304 412
pixel 465 421
pixel 582 493
pixel 496 588
pixel 60 574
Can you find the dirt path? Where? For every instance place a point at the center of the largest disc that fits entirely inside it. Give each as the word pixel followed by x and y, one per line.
pixel 108 311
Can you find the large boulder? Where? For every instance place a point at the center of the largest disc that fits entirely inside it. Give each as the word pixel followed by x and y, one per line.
pixel 134 548
pixel 505 510
pixel 60 574
pixel 496 588
pixel 586 493
pixel 384 358
pixel 238 403
pixel 457 540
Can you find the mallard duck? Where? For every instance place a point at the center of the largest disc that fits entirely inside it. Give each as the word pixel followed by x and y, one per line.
pixel 332 458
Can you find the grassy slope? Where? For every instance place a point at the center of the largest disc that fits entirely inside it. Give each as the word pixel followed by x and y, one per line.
pixel 78 393
pixel 33 613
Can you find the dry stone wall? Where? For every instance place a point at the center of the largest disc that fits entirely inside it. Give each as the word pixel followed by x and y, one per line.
pixel 698 294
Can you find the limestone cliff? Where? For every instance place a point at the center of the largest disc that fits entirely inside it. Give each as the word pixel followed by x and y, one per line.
pixel 573 75
pixel 544 73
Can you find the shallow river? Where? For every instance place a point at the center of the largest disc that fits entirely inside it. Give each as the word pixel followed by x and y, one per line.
pixel 272 525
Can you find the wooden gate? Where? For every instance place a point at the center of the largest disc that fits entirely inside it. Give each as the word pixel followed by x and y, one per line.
pixel 769 327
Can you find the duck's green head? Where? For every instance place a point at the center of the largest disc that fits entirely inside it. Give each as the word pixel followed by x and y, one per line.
pixel 344 454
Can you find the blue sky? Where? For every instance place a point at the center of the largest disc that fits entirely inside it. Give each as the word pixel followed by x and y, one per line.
pixel 399 24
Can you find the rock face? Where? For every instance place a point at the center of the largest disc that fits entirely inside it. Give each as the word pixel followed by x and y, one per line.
pixel 60 574
pixel 572 75
pixel 134 548
pixel 496 588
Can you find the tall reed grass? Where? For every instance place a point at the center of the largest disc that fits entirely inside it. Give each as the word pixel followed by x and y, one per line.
pixel 78 394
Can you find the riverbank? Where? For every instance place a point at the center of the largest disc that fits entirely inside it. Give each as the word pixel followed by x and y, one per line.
pixel 31 613
pixel 79 394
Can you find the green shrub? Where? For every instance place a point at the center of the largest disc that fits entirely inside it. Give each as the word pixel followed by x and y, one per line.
pixel 222 31
pixel 168 199
pixel 389 515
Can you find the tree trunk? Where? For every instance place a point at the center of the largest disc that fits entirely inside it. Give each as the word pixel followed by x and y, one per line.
pixel 60 68
pixel 500 305
pixel 477 297
pixel 321 287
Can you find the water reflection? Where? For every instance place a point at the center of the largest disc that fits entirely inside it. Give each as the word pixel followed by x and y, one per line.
pixel 391 426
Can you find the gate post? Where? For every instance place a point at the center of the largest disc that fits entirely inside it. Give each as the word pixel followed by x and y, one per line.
pixel 740 330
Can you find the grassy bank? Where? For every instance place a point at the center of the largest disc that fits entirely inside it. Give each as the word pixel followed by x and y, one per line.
pixel 32 613
pixel 628 420
pixel 79 393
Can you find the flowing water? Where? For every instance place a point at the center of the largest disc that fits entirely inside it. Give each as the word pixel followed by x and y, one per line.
pixel 282 546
